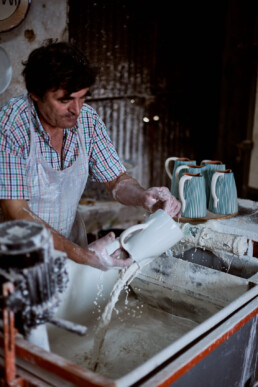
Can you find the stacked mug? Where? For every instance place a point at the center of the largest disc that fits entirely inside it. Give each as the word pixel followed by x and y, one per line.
pixel 208 186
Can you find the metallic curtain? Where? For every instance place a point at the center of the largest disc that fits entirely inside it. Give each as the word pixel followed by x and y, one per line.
pixel 128 44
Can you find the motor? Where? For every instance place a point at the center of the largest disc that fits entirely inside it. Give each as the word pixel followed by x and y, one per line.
pixel 38 272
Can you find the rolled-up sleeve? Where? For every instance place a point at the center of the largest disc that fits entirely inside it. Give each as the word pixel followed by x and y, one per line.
pixel 13 179
pixel 14 140
pixel 104 162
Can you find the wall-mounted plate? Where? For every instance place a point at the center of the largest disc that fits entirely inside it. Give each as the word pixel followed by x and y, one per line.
pixel 12 13
pixel 5 70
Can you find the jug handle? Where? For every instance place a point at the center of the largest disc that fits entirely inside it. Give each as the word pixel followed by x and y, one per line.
pixel 167 166
pixel 204 161
pixel 180 169
pixel 214 179
pixel 181 190
pixel 129 231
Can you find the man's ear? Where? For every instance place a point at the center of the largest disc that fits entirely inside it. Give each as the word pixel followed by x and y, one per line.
pixel 34 97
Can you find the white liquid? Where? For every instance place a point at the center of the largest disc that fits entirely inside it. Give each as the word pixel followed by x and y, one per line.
pixel 125 279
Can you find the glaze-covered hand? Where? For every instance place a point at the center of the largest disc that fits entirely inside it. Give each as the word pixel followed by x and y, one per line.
pixel 100 258
pixel 160 197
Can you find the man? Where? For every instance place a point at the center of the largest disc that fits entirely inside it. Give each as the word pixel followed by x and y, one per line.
pixel 51 141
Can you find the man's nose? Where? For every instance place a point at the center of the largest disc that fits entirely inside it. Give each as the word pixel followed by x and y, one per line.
pixel 75 107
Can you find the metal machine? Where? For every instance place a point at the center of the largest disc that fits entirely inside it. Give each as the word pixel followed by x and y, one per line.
pixel 32 276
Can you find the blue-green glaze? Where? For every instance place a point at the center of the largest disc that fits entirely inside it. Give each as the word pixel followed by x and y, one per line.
pixel 194 194
pixel 208 173
pixel 174 182
pixel 226 193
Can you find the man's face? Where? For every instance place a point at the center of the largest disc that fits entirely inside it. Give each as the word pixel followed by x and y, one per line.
pixel 57 109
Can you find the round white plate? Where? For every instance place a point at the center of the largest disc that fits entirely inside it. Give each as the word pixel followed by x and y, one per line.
pixel 6 70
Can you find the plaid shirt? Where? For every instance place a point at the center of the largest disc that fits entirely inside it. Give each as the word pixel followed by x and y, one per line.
pixel 104 164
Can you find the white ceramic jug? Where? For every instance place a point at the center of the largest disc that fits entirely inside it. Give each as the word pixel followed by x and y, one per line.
pixel 149 239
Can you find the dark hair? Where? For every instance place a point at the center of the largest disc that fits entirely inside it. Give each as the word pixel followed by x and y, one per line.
pixel 57 65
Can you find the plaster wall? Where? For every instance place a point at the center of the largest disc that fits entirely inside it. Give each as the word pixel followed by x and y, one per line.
pixel 45 19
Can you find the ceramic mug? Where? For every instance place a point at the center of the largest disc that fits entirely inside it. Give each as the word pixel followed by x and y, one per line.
pixel 149 239
pixel 178 161
pixel 223 198
pixel 192 194
pixel 211 166
pixel 189 169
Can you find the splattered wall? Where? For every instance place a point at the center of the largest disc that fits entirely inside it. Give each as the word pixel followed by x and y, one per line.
pixel 44 19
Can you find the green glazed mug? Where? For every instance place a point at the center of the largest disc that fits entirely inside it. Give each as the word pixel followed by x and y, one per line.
pixel 192 194
pixel 211 166
pixel 223 198
pixel 178 161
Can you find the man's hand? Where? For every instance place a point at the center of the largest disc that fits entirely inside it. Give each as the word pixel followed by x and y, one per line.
pixel 98 256
pixel 160 197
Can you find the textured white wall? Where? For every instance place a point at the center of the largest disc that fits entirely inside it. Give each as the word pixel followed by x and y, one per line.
pixel 45 19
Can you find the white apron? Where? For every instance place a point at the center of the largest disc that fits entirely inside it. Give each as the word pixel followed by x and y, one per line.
pixel 54 195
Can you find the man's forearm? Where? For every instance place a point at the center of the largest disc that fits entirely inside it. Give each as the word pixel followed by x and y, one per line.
pixel 126 190
pixel 94 255
pixel 19 209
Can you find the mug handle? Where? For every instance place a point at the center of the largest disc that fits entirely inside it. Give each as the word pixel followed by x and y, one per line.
pixel 214 179
pixel 181 190
pixel 178 170
pixel 129 231
pixel 167 166
pixel 204 161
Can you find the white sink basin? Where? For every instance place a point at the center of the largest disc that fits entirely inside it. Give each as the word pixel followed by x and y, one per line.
pixel 169 305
